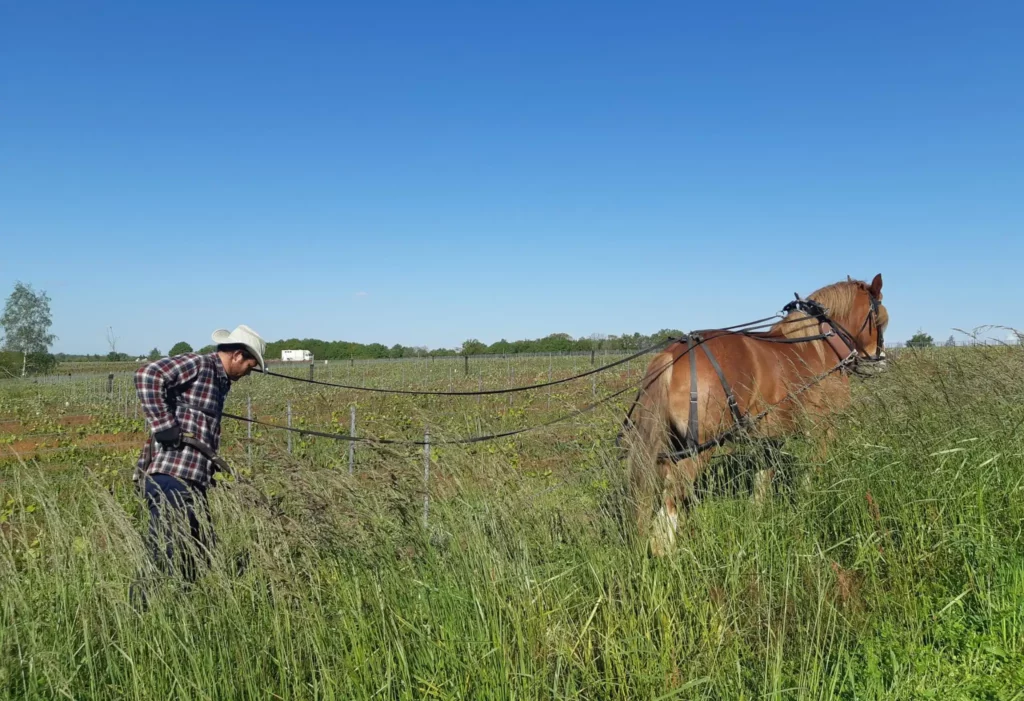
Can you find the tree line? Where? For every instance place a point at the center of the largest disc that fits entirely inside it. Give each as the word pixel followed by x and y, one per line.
pixel 552 343
pixel 26 321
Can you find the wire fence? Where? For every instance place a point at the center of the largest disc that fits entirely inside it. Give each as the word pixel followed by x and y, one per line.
pixel 53 415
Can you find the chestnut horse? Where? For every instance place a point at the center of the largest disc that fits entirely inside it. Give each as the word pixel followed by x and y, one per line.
pixel 719 385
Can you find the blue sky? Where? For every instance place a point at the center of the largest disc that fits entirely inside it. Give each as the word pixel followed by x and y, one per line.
pixel 424 173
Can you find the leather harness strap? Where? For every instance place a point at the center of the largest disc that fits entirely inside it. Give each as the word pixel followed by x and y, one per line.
pixel 730 398
pixel 693 425
pixel 836 341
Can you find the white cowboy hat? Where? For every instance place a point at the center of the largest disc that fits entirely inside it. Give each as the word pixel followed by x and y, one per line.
pixel 245 336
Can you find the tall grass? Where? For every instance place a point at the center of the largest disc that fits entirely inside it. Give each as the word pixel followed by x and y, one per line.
pixel 894 569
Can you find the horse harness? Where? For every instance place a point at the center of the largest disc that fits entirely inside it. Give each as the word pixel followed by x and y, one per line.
pixel 691 442
pixel 841 341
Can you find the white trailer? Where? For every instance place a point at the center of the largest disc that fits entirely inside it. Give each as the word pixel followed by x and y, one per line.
pixel 296 355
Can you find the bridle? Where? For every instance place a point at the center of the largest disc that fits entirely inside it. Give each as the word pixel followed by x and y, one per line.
pixel 836 334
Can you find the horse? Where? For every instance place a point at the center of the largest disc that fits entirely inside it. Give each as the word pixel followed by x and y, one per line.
pixel 702 394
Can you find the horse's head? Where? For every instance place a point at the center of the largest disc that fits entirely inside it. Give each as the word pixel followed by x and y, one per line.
pixel 864 320
pixel 855 311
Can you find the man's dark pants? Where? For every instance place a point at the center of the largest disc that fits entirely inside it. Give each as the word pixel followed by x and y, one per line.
pixel 179 524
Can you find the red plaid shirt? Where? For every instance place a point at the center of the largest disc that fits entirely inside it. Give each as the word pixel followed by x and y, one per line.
pixel 164 388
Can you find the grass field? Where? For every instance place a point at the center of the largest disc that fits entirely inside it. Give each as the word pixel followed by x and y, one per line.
pixel 894 569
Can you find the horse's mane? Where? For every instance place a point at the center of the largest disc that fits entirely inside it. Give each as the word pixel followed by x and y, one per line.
pixel 838 298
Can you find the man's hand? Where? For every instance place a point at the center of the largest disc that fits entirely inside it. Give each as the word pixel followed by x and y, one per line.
pixel 169 437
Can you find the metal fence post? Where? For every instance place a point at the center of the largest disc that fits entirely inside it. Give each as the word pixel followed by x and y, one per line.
pixel 352 444
pixel 311 370
pixel 110 386
pixel 289 426
pixel 426 474
pixel 248 426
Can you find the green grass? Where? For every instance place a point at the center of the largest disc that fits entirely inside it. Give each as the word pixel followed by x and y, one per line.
pixel 894 570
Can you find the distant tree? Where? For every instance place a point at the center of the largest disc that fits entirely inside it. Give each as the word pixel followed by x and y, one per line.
pixel 154 354
pixel 211 348
pixel 920 340
pixel 666 333
pixel 112 342
pixel 950 342
pixel 26 321
pixel 556 342
pixel 473 347
pixel 179 348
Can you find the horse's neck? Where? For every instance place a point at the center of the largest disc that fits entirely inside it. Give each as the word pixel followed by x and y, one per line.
pixel 818 353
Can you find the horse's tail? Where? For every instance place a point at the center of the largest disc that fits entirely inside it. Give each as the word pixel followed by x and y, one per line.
pixel 646 432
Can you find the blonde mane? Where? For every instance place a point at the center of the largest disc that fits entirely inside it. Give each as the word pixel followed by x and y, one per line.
pixel 837 298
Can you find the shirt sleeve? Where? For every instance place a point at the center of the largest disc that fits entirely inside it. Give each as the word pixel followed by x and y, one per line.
pixel 152 382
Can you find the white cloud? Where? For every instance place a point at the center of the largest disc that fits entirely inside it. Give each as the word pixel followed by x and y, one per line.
pixel 362 294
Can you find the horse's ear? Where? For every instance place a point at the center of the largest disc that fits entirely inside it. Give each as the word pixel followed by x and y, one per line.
pixel 876 285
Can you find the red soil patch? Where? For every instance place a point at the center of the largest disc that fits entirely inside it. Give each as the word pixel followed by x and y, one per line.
pixel 109 440
pixel 15 426
pixel 34 447
pixel 76 419
pixel 27 445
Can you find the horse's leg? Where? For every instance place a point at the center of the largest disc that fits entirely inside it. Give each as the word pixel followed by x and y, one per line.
pixel 677 497
pixel 776 469
pixel 666 520
pixel 646 492
pixel 763 480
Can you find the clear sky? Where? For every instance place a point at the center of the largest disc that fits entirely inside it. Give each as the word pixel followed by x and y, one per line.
pixel 422 173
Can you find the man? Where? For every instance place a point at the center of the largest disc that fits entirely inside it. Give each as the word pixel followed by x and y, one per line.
pixel 183 399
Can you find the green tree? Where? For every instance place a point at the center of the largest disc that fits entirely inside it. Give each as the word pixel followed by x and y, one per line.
pixel 26 321
pixel 473 347
pixel 154 354
pixel 179 348
pixel 920 340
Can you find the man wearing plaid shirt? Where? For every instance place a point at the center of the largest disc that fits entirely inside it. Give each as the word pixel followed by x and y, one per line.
pixel 183 398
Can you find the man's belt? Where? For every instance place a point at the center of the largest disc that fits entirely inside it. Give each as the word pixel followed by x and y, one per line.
pixel 207 452
pixel 189 439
